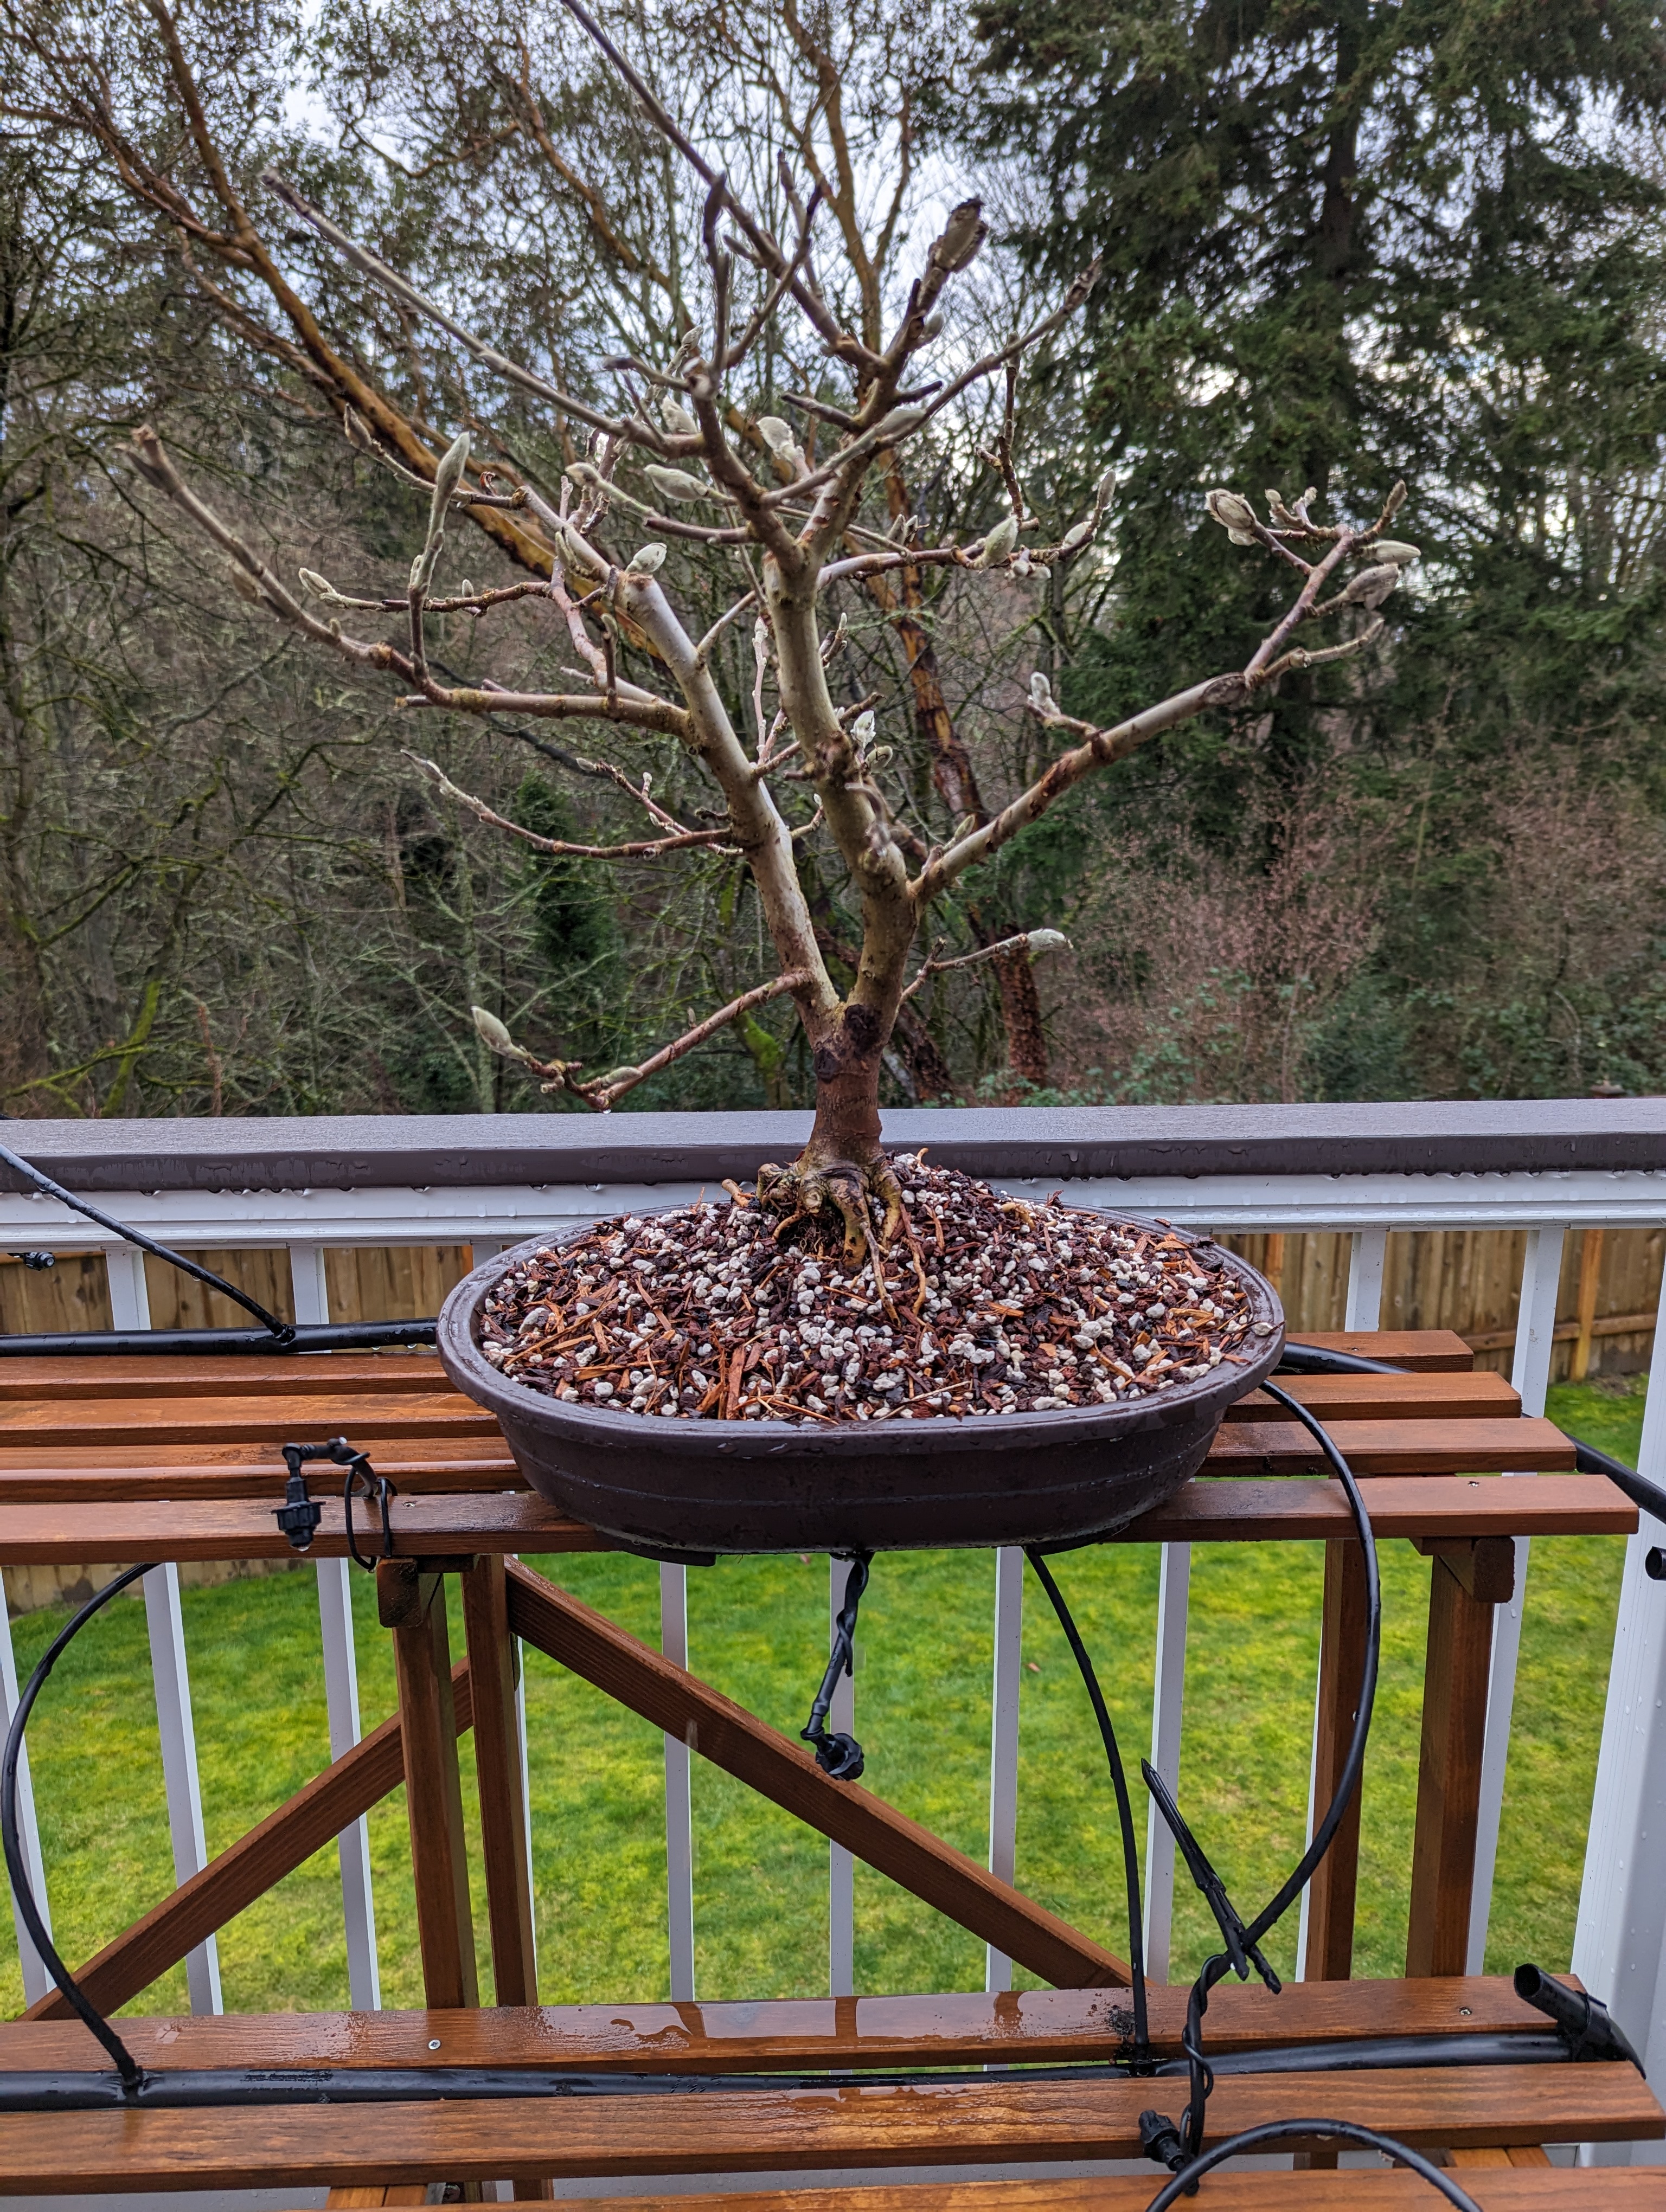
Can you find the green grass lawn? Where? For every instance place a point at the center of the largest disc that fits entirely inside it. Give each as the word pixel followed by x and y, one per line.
pixel 758 1630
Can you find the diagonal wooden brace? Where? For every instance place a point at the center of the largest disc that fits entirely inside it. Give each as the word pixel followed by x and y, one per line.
pixel 636 1676
pixel 284 1840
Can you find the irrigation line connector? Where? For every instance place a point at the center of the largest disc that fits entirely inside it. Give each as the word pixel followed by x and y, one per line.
pixel 300 1513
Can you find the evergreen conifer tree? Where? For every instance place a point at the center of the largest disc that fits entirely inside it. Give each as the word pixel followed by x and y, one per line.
pixel 1425 237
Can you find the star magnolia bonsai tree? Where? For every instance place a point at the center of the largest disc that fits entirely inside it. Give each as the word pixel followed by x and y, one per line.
pixel 795 520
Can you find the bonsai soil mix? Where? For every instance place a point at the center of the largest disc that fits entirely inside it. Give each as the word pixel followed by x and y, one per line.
pixel 977 1304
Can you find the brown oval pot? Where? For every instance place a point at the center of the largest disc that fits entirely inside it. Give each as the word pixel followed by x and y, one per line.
pixel 689 1490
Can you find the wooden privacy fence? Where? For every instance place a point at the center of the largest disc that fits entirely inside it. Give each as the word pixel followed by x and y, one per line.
pixel 1469 1281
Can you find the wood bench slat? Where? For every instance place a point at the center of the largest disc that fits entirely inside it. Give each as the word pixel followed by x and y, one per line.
pixel 90 1383
pixel 1424 1350
pixel 1433 1441
pixel 1593 2189
pixel 416 1467
pixel 1019 2028
pixel 1399 1505
pixel 1478 1396
pixel 95 1422
pixel 1485 1446
pixel 1432 1506
pixel 91 1375
pixel 100 1375
pixel 979 2122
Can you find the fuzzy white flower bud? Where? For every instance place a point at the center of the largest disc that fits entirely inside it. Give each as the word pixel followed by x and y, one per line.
pixel 998 544
pixel 319 586
pixel 778 436
pixel 900 421
pixel 646 560
pixel 447 478
pixel 863 727
pixel 1041 692
pixel 676 483
pixel 1372 586
pixel 677 419
pixel 449 474
pixel 1048 940
pixel 963 234
pixel 492 1030
pixel 1078 534
pixel 1396 549
pixel 1235 515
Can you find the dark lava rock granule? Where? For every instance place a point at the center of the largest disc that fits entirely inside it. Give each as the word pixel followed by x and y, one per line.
pixel 981 1304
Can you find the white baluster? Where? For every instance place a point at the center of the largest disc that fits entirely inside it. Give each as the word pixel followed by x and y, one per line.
pixel 841 1866
pixel 1529 1372
pixel 129 1294
pixel 309 1291
pixel 526 1796
pixel 179 1739
pixel 1362 1310
pixel 1004 1740
pixel 341 1689
pixel 1620 1943
pixel 1168 1709
pixel 36 1980
pixel 679 1804
pixel 1365 1297
pixel 130 1308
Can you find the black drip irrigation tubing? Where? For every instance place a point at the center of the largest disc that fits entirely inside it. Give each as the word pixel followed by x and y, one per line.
pixel 274 1335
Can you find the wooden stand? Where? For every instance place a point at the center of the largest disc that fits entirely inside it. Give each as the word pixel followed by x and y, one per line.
pixel 186 1467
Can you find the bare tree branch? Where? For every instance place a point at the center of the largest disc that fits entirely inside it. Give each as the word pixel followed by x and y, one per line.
pixel 1034 942
pixel 398 288
pixel 603 1092
pixel 679 841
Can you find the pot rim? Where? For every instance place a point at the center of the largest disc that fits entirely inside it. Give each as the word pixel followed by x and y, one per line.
pixel 603 1428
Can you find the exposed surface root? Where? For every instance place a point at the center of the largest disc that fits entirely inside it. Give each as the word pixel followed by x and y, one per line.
pixel 804 1194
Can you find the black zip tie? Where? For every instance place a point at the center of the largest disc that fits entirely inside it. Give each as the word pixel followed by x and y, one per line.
pixel 836 1754
pixel 282 1330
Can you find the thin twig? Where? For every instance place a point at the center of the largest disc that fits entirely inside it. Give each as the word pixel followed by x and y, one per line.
pixel 639 849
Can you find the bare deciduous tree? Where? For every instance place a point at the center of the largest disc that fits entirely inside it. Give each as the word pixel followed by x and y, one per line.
pixel 811 503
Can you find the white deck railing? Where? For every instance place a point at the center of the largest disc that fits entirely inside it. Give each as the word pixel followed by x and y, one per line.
pixel 307 1186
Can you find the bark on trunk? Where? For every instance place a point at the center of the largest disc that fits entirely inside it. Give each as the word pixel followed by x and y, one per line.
pixel 846 1125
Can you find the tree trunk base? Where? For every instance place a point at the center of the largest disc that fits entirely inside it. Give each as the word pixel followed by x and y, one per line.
pixel 820 1188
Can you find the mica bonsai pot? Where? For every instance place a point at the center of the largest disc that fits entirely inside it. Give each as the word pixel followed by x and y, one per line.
pixel 689 1490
